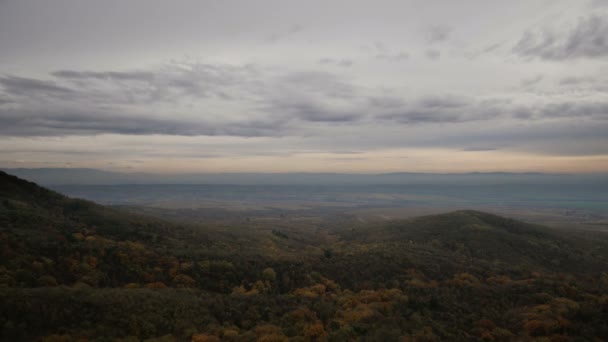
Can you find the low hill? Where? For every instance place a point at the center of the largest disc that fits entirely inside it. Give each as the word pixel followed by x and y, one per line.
pixel 490 238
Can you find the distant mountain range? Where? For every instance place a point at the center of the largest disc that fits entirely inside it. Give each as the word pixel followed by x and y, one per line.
pixel 77 176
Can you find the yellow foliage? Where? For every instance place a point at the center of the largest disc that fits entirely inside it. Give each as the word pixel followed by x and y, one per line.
pixel 270 333
pixel 92 261
pixel 463 279
pixel 501 279
pixel 239 290
pixel 313 291
pixel 303 314
pixel 230 334
pixel 319 289
pixel 305 292
pixel 182 280
pixel 259 286
pixel 424 335
pixel 563 305
pixel 359 313
pixel 156 285
pixel 269 274
pixel 368 296
pixel 242 291
pixel 316 331
pixel 185 266
pixel 204 338
pixel 78 236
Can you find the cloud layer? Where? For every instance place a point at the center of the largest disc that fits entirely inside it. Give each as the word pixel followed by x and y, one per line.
pixel 385 84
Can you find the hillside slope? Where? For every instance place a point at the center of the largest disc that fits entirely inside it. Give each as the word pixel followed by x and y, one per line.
pixel 490 238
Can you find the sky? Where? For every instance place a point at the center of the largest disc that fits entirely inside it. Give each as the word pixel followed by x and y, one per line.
pixel 305 86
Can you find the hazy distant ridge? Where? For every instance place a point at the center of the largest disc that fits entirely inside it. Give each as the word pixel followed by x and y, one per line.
pixel 68 176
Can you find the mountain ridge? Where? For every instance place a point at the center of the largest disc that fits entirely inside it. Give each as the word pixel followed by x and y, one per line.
pixel 85 176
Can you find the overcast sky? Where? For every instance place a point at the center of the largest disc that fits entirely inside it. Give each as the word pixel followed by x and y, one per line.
pixel 314 86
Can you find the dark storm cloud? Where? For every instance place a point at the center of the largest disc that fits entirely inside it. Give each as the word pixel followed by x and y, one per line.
pixel 587 39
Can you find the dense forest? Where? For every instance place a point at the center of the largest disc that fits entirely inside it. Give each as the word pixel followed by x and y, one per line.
pixel 73 270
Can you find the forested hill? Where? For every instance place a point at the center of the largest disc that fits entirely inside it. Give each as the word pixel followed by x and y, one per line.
pixel 73 270
pixel 484 237
pixel 25 205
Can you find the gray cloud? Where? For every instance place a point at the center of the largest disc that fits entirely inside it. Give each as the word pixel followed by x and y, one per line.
pixel 106 75
pixel 587 39
pixel 438 33
pixel 5 100
pixel 479 149
pixel 593 110
pixel 386 102
pixel 587 84
pixel 397 57
pixel 271 103
pixel 441 109
pixel 316 82
pixel 21 86
pixel 576 80
pixel 344 62
pixel 433 54
pixel 455 109
pixel 275 37
pixel 528 82
pixel 56 122
pixel 378 76
pixel 599 3
pixel 131 102
pixel 314 112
